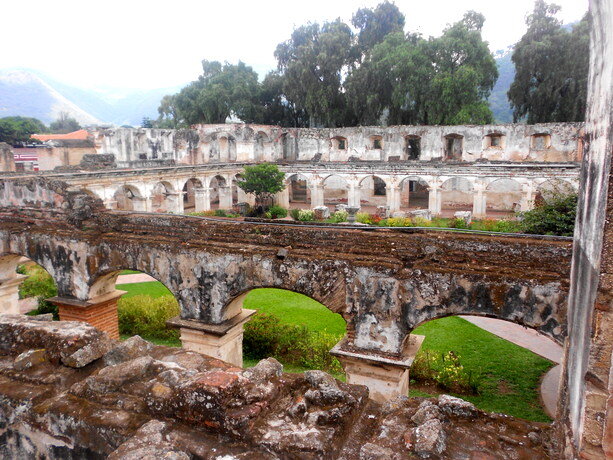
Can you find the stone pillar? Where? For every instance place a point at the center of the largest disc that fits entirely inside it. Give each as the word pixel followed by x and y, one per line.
pixel 479 201
pixel 202 199
pixel 317 195
pixel 353 195
pixel 282 198
pixel 175 202
pixel 223 341
pixel 393 198
pixel 100 312
pixel 434 199
pixel 245 197
pixel 385 378
pixel 9 294
pixel 527 199
pixel 225 197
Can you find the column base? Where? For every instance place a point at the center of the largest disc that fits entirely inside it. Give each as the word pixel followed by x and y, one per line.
pixel 9 294
pixel 100 312
pixel 384 377
pixel 223 341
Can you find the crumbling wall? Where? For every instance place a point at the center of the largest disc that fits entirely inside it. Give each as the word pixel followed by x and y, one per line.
pixel 7 160
pixel 586 405
pixel 68 391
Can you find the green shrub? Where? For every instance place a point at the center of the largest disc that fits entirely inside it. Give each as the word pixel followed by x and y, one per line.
pixel 444 370
pixel 554 216
pixel 202 213
pixel 277 212
pixel 146 316
pixel 38 284
pixel 338 217
pixel 265 336
pixel 306 215
pixel 295 213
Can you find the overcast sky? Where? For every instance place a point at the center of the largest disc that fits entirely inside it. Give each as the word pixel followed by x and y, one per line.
pixel 150 44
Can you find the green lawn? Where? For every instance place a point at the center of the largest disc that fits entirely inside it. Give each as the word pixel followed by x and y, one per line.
pixel 509 375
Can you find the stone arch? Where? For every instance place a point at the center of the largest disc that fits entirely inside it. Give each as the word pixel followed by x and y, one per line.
pixel 373 190
pixel 504 194
pixel 298 188
pixel 218 186
pixel 551 187
pixel 159 194
pixel 414 192
pixel 10 280
pixel 237 192
pixel 124 197
pixel 189 196
pixel 335 189
pixel 457 194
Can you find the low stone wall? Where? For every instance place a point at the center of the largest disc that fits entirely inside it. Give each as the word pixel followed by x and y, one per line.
pixel 68 391
pixel 7 160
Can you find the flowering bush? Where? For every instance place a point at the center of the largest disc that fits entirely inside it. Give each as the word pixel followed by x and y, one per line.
pixel 444 370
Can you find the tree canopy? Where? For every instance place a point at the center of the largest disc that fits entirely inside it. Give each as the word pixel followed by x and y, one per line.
pixel 551 68
pixel 17 130
pixel 263 180
pixel 64 124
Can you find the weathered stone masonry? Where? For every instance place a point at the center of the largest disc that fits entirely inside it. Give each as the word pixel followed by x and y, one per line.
pixel 383 283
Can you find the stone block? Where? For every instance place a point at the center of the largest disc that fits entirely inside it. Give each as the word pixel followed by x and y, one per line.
pixel 321 212
pixel 466 216
pixel 420 213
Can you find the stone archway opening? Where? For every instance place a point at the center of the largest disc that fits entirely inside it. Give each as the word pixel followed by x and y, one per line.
pixel 456 195
pixel 414 193
pixel 299 192
pixel 335 191
pixel 189 194
pixel 128 198
pixel 553 188
pixel 25 286
pixel 131 302
pixel 161 200
pixel 373 193
pixel 219 193
pixel 503 197
pixel 497 364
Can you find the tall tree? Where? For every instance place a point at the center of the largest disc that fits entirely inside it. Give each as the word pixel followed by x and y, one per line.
pixel 551 67
pixel 374 24
pixel 277 110
pixel 314 62
pixel 64 124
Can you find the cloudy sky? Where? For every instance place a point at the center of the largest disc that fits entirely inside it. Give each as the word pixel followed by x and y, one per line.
pixel 150 44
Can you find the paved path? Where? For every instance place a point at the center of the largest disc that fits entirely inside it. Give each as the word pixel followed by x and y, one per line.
pixel 134 278
pixel 535 342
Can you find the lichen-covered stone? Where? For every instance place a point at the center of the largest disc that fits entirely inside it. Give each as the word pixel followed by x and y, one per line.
pixel 429 438
pixel 456 406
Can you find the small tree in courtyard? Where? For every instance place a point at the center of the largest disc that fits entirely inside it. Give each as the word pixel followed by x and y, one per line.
pixel 263 180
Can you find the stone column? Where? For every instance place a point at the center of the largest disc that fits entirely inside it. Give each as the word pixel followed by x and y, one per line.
pixel 393 198
pixel 385 378
pixel 100 312
pixel 223 341
pixel 202 199
pixel 527 199
pixel 479 201
pixel 175 202
pixel 353 195
pixel 282 198
pixel 225 197
pixel 245 197
pixel 434 199
pixel 317 195
pixel 9 294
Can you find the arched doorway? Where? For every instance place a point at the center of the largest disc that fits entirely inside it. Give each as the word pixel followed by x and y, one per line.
pixel 414 193
pixel 456 195
pixel 189 196
pixel 336 190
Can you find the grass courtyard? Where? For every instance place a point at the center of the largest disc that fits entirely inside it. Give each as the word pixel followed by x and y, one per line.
pixel 508 376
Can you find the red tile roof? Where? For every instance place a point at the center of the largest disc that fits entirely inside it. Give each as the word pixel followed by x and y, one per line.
pixel 80 134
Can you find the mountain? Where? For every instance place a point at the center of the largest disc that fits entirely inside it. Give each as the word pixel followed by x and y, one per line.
pixel 499 104
pixel 29 93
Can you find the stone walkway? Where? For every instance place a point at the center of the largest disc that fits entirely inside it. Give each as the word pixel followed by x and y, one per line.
pixel 536 343
pixel 134 278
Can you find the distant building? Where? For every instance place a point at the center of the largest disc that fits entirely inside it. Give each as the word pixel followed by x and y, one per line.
pixel 56 150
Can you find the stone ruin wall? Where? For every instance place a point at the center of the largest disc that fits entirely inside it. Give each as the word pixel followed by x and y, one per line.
pixel 561 142
pixel 68 391
pixel 7 161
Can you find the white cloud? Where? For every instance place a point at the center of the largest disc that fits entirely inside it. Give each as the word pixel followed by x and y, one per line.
pixel 149 44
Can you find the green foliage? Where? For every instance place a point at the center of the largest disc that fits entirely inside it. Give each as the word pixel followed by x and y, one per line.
pixel 338 217
pixel 276 212
pixel 64 124
pixel 306 215
pixel 551 69
pixel 553 216
pixel 220 213
pixel 295 213
pixel 374 24
pixel 444 370
pixel 266 336
pixel 263 180
pixel 16 130
pixel 147 123
pixel 38 284
pixel 146 316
